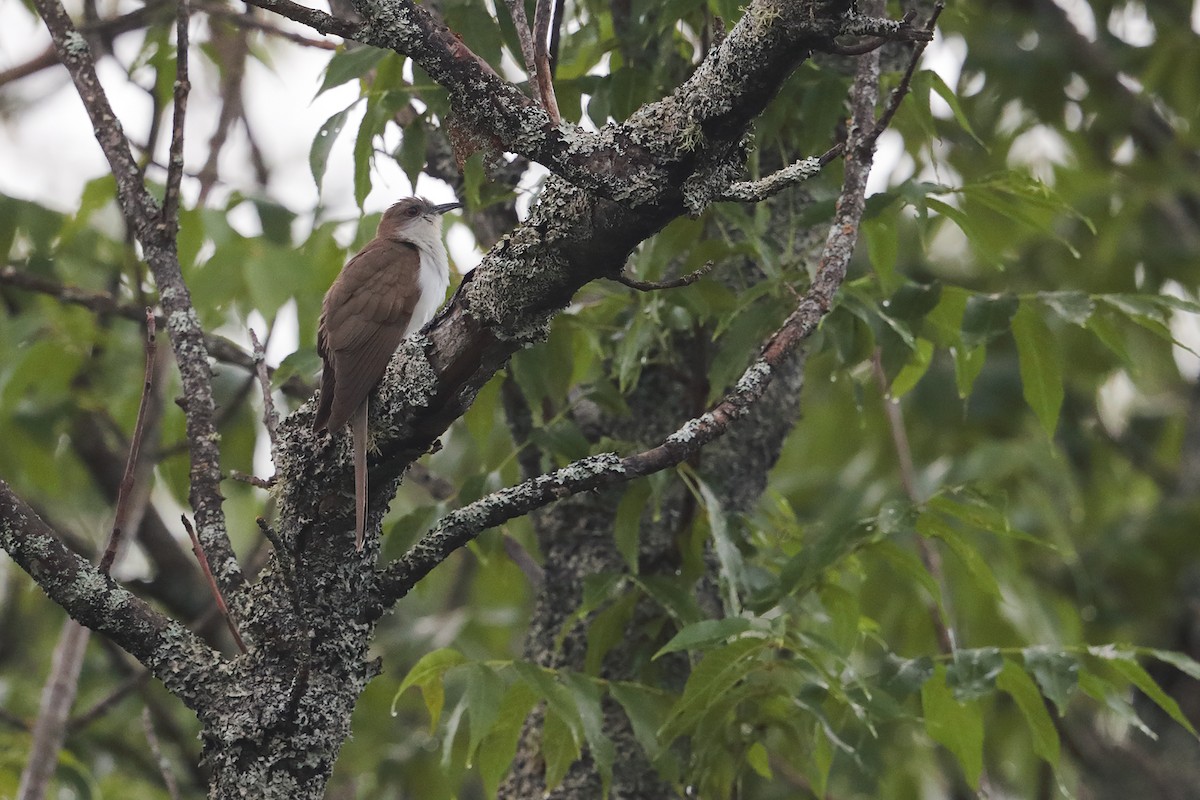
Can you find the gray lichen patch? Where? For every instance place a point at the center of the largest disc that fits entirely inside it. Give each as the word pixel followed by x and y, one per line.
pixel 692 429
pixel 75 44
pixel 754 378
pixel 410 380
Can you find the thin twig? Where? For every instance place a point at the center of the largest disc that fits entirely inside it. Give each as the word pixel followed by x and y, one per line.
pixel 57 696
pixel 105 704
pixel 253 480
pixel 317 20
pixel 556 34
pixel 170 209
pixel 674 283
pixel 270 415
pixel 930 557
pixel 542 18
pixel 792 174
pixel 121 518
pixel 198 549
pixel 164 766
pixel 246 21
pixel 516 10
pixel 902 89
pixel 99 302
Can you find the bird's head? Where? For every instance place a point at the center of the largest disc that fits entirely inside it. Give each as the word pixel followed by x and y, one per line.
pixel 414 219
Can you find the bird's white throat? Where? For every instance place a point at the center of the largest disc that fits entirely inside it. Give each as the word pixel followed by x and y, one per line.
pixel 434 276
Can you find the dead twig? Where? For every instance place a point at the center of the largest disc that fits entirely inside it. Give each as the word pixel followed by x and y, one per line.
pixel 542 18
pixel 164 766
pixel 198 549
pixel 170 207
pixel 121 518
pixel 270 415
pixel 674 283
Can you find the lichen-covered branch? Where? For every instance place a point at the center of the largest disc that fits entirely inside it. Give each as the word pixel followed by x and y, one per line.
pixel 157 237
pixel 632 161
pixel 461 526
pixel 172 653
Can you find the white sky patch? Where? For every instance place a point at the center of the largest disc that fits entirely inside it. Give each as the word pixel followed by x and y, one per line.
pixel 1080 14
pixel 1039 150
pixel 1115 401
pixel 1185 327
pixel 892 165
pixel 945 56
pixel 1196 17
pixel 1131 24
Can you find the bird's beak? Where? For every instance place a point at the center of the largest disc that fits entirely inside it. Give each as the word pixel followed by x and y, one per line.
pixel 444 207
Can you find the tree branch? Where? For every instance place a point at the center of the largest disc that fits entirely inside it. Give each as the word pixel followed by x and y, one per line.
pixel 516 10
pixel 170 209
pixel 244 20
pixel 629 162
pixel 674 283
pixel 541 56
pixel 171 652
pixel 158 244
pixel 776 182
pixel 606 469
pixel 121 518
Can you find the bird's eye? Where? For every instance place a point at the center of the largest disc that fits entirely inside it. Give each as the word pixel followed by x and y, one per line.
pixel 413 211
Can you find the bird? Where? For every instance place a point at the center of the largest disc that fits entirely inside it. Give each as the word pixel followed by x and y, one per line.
pixel 385 293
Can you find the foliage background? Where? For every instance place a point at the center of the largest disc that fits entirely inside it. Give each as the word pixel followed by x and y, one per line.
pixel 1024 274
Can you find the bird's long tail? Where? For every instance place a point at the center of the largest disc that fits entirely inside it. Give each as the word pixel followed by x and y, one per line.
pixel 358 429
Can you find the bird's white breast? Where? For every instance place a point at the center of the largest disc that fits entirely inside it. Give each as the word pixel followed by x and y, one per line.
pixel 434 275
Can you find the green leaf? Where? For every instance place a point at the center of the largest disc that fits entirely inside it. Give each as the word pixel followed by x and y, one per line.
pixel 804 570
pixel 1180 661
pixel 1074 307
pixel 701 634
pixel 977 566
pixel 411 153
pixel 912 372
pixel 946 93
pixel 607 629
pixel 910 566
pixel 1126 663
pixel 587 701
pixel 485 690
pixel 628 522
pixel 968 363
pixel 1057 674
pixel 972 673
pixel 346 65
pixel 373 123
pixel 986 317
pixel 907 676
pixel 557 698
pixel 759 760
pixel 500 745
pixel 560 749
pixel 976 236
pixel 1024 692
pixel 718 672
pixel 1041 366
pixel 1113 698
pixel 427 674
pixel 956 726
pixel 733 567
pixel 883 245
pixel 327 134
pixel 647 710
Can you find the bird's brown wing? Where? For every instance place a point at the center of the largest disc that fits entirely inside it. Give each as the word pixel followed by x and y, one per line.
pixel 363 320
